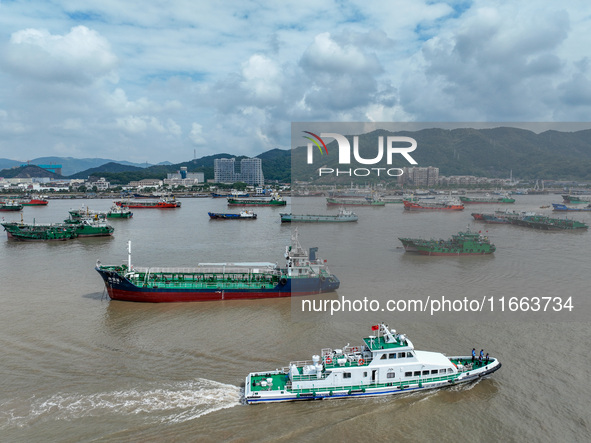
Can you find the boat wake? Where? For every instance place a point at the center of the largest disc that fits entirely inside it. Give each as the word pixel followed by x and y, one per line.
pixel 172 403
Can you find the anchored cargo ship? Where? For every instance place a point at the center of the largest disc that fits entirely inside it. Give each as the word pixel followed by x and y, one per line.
pixel 548 224
pixel 463 243
pixel 304 274
pixel 274 200
pixel 78 214
pixel 119 212
pixel 10 206
pixel 242 215
pixel 531 220
pixel 91 227
pixel 34 202
pixel 575 199
pixel 368 201
pixel 147 204
pixel 496 218
pixel 433 206
pixel 385 364
pixel 343 216
pixel 488 199
pixel 34 232
pixel 561 207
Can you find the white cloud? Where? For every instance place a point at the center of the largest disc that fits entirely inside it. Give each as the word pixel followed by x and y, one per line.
pixel 78 57
pixel 173 128
pixel 326 55
pixel 72 124
pixel 261 79
pixel 134 76
pixel 132 123
pixel 196 134
pixel 493 64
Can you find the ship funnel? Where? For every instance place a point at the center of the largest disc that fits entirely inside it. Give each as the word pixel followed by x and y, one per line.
pixel 313 254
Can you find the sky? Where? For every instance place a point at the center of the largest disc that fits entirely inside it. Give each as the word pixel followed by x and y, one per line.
pixel 153 81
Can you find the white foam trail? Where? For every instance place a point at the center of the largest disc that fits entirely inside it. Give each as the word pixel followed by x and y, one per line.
pixel 181 401
pixel 466 386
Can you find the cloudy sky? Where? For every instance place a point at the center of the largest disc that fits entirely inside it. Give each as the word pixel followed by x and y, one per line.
pixel 156 80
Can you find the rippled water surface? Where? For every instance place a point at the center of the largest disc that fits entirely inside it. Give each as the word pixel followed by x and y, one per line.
pixel 78 367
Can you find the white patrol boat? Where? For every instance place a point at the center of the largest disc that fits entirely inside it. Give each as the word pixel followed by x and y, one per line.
pixel 386 363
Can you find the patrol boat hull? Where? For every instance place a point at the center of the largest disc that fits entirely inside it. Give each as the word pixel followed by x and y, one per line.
pixel 383 365
pixel 368 391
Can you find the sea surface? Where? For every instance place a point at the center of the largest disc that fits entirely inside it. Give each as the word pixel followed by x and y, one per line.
pixel 77 367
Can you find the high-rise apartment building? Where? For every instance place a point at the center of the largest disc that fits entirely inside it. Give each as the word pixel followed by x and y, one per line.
pixel 223 170
pixel 418 176
pixel 251 171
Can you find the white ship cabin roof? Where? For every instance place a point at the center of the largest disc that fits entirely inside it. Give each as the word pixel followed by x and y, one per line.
pixel 387 339
pixel 432 358
pixel 379 343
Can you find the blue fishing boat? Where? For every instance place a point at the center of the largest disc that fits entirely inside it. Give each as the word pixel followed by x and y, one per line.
pixel 242 215
pixel 561 207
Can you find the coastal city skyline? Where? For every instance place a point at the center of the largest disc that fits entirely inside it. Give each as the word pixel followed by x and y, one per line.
pixel 150 84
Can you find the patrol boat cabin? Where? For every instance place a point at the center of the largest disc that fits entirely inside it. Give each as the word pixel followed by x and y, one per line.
pixel 386 363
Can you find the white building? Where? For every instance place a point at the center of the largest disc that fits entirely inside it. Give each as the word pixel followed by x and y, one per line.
pixel 420 176
pixel 102 184
pixel 251 171
pixel 184 178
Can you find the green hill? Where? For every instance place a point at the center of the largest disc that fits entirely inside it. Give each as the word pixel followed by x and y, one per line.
pixel 480 152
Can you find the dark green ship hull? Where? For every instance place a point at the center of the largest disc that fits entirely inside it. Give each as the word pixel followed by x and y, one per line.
pixel 463 243
pixel 26 232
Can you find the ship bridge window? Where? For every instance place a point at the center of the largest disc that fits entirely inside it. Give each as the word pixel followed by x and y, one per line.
pixel 433 371
pixel 383 357
pixel 409 355
pixel 346 375
pixel 426 372
pixel 442 371
pixel 391 375
pixel 392 355
pixel 408 374
pixel 417 373
pixel 450 370
pixel 402 355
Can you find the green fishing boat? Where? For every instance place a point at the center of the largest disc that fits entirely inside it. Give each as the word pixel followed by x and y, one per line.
pixel 368 201
pixel 85 212
pixel 34 232
pixel 343 216
pixel 463 243
pixel 576 199
pixel 10 206
pixel 274 200
pixel 90 227
pixel 487 199
pixel 545 223
pixel 119 212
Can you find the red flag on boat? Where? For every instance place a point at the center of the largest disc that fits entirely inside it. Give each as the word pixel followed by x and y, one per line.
pixel 375 328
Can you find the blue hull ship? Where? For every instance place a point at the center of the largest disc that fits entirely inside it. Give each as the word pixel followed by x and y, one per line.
pixel 304 274
pixel 561 207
